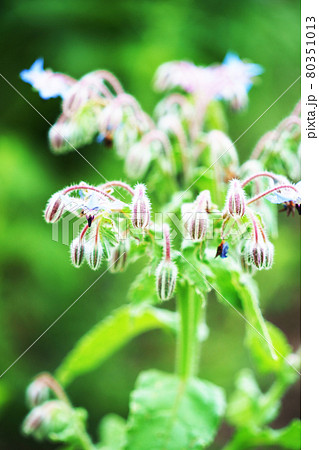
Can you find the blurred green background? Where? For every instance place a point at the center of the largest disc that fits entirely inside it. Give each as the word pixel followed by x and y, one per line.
pixel 37 280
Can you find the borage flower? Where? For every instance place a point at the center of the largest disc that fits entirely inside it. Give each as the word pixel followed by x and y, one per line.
pixel 49 84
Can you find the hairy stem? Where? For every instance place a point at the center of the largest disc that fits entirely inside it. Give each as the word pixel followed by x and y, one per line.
pixel 189 306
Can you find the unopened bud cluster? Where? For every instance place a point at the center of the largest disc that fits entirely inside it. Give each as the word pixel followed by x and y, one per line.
pixel 52 416
pixel 105 214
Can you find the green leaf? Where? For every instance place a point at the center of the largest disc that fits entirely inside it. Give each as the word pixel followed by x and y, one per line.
pixel 248 407
pixel 264 361
pixel 112 431
pixel 169 413
pixel 256 324
pixel 143 288
pixel 288 437
pixel 108 336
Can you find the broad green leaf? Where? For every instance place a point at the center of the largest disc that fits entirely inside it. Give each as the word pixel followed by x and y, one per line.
pixel 256 324
pixel 248 407
pixel 108 336
pixel 112 431
pixel 168 413
pixel 264 361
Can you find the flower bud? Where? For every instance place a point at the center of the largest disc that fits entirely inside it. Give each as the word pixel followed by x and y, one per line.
pixel 222 150
pixel 63 135
pixel 235 202
pixel 196 216
pixel 140 208
pixel 166 275
pixel 37 392
pixel 137 160
pixel 119 254
pixel 259 254
pixel 53 416
pixel 197 225
pixel 77 251
pixel 94 252
pixel 268 255
pixel 54 208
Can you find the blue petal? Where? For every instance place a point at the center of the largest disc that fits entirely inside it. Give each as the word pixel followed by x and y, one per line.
pixel 224 250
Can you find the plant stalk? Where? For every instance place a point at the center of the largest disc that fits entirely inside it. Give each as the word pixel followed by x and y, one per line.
pixel 190 311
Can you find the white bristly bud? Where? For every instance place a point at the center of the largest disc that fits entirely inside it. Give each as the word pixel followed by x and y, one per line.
pixel 235 202
pixel 166 276
pixel 54 208
pixel 140 208
pixel 77 251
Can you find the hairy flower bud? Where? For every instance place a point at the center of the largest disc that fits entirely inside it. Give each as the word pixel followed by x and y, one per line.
pixel 54 208
pixel 77 251
pixel 137 160
pixel 94 252
pixel 259 254
pixel 166 275
pixel 197 225
pixel 235 202
pixel 140 208
pixel 195 216
pixel 222 150
pixel 268 255
pixel 119 254
pixel 53 416
pixel 37 392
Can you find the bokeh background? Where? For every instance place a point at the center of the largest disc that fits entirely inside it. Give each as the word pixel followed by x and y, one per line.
pixel 129 38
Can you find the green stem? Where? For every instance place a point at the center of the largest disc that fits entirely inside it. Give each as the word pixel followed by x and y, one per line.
pixel 85 440
pixel 189 306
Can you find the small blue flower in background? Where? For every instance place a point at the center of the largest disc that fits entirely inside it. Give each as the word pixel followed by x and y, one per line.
pixel 236 79
pixel 46 82
pixel 244 72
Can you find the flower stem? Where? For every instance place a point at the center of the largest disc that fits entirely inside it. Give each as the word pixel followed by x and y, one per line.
pixel 277 188
pixel 190 308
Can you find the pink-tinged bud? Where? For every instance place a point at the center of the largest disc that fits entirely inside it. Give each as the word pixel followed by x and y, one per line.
pixel 54 208
pixel 269 255
pixel 235 202
pixel 195 216
pixel 137 161
pixel 197 225
pixel 94 252
pixel 77 251
pixel 119 255
pixel 203 201
pixel 140 208
pixel 37 392
pixel 260 254
pixel 51 417
pixel 166 276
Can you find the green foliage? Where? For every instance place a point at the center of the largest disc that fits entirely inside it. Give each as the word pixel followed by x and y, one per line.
pixel 287 437
pixel 250 410
pixel 169 413
pixel 143 288
pixel 112 432
pixel 108 336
